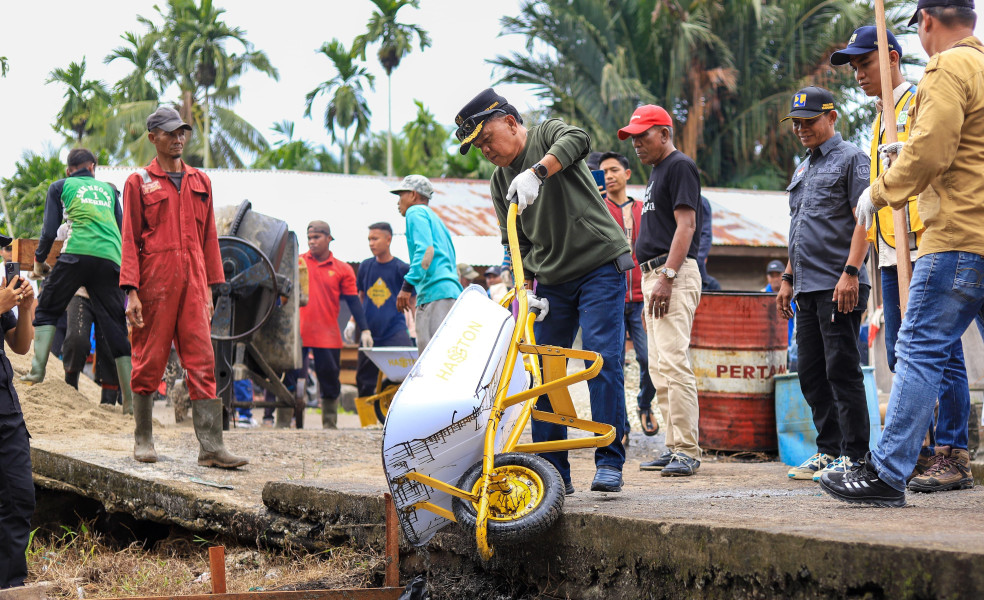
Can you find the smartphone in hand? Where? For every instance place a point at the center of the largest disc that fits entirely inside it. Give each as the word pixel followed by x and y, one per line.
pixel 599 177
pixel 10 270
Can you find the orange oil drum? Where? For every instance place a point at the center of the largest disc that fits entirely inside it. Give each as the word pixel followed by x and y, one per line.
pixel 738 344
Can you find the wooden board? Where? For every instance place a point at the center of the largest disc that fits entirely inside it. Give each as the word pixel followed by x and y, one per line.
pixel 23 252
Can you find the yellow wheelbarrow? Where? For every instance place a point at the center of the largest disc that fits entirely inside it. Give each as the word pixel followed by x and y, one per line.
pixel 451 443
pixel 394 364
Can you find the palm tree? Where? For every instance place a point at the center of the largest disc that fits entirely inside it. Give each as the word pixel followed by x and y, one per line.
pixel 347 106
pixel 288 153
pixel 195 41
pixel 146 81
pixel 86 101
pixel 395 41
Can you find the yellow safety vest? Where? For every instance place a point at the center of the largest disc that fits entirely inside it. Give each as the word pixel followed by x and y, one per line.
pixel 884 223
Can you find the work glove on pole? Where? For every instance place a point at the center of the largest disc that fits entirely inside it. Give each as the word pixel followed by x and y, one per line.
pixel 865 211
pixel 886 150
pixel 526 188
pixel 41 269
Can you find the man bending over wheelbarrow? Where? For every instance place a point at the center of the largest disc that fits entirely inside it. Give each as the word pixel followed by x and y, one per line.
pixel 571 247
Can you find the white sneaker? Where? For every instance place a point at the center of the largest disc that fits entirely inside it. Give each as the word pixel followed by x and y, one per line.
pixel 843 464
pixel 810 466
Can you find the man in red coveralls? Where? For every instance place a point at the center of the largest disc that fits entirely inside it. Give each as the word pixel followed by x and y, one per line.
pixel 170 258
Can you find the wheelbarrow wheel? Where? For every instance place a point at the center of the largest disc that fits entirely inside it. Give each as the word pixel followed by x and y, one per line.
pixel 525 500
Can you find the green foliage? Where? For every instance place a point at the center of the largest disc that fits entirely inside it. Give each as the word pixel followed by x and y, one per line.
pixel 297 155
pixel 27 189
pixel 4 67
pixel 86 102
pixel 724 70
pixel 395 39
pixel 347 105
pixel 192 47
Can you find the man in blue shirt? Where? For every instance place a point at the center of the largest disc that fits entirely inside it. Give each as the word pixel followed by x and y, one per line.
pixel 379 280
pixel 432 259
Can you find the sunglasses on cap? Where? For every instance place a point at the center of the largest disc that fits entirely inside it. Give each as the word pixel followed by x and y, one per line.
pixel 474 122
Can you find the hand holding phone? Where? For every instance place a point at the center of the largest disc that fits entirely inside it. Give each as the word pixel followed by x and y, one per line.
pixel 10 271
pixel 599 177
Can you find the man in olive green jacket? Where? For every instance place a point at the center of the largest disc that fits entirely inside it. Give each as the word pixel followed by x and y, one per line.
pixel 572 248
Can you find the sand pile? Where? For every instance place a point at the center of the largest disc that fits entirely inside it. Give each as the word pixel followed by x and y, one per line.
pixel 54 407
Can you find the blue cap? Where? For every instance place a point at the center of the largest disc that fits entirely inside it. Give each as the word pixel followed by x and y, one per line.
pixel 864 40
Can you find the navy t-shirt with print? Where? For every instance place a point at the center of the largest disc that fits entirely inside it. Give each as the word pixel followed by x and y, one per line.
pixel 381 282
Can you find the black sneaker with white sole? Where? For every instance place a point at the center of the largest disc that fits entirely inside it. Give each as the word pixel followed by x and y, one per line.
pixel 658 463
pixel 861 485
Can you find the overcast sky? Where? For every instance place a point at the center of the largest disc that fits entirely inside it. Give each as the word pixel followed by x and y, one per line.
pixel 37 37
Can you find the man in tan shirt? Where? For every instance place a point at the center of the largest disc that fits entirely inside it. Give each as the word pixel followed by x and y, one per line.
pixel 942 162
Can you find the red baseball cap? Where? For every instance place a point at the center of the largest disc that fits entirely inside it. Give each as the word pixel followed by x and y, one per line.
pixel 643 118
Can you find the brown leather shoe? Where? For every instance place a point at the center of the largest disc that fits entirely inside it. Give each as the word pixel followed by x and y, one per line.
pixel 950 471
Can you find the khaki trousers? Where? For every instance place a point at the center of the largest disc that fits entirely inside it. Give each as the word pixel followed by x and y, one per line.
pixel 669 363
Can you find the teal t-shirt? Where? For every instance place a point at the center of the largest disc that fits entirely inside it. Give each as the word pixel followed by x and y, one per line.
pixel 438 278
pixel 90 210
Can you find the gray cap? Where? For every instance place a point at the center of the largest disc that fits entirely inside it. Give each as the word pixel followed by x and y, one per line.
pixel 415 183
pixel 465 270
pixel 775 267
pixel 166 118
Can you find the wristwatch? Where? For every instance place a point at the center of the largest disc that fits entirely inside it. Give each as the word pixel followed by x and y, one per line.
pixel 540 171
pixel 852 271
pixel 668 273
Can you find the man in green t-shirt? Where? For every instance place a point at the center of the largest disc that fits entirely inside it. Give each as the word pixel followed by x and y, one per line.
pixel 574 255
pixel 90 257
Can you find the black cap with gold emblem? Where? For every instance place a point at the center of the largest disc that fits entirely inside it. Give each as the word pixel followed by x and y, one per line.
pixel 472 116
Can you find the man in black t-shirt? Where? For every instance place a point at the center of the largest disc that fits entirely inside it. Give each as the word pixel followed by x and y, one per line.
pixel 667 253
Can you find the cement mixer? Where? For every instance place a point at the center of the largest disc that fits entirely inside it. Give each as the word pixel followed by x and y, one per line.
pixel 256 326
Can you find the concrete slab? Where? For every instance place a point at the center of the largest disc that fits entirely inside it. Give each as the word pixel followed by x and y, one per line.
pixel 743 528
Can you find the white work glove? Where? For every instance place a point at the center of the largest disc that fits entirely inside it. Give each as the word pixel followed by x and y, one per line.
pixel 349 333
pixel 41 269
pixel 366 338
pixel 526 187
pixel 885 150
pixel 542 303
pixel 865 210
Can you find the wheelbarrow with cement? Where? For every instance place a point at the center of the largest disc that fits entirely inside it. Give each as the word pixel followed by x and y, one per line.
pixel 394 364
pixel 451 443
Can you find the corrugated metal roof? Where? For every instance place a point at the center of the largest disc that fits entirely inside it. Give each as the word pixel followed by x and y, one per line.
pixel 350 203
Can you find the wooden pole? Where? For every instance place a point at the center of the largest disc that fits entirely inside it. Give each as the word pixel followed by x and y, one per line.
pixel 900 217
pixel 392 577
pixel 216 565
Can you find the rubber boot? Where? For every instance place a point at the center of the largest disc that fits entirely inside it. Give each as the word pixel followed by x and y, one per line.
pixel 44 335
pixel 284 415
pixel 207 417
pixel 72 378
pixel 109 396
pixel 143 434
pixel 124 366
pixel 329 413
